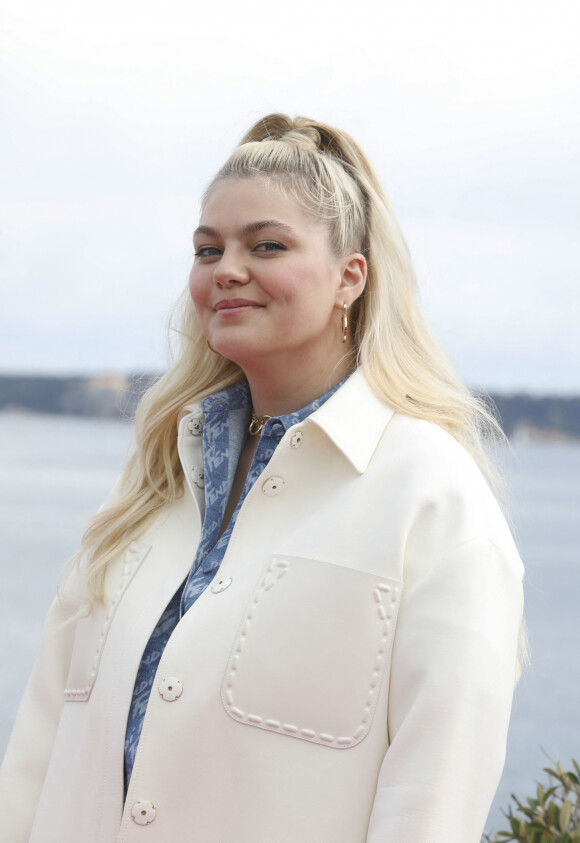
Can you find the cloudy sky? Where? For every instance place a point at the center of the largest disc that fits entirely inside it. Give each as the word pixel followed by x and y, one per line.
pixel 114 115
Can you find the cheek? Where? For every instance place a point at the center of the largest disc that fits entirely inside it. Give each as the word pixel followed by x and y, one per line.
pixel 291 288
pixel 196 287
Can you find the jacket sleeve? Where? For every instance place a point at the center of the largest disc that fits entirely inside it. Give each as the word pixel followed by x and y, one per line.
pixel 451 687
pixel 27 757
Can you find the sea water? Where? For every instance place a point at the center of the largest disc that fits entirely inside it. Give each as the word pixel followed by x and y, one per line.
pixel 55 471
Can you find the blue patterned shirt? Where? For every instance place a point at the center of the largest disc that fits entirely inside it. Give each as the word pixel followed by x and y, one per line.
pixel 227 416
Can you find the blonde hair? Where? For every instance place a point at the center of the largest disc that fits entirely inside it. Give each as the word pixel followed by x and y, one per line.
pixel 326 172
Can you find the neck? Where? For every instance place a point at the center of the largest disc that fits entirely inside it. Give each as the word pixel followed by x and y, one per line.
pixel 277 392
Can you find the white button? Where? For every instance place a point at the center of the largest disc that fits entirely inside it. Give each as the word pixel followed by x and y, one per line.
pixel 221 584
pixel 297 439
pixel 170 688
pixel 272 486
pixel 195 426
pixel 143 812
pixel 198 477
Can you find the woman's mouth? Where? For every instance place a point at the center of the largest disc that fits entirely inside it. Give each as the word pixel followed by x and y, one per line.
pixel 236 305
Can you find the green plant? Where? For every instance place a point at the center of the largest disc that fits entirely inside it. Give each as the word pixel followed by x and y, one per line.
pixel 553 816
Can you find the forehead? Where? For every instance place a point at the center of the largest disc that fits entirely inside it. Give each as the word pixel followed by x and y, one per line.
pixel 239 201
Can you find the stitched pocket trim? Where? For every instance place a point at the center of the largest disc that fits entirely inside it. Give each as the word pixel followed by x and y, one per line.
pixel 381 604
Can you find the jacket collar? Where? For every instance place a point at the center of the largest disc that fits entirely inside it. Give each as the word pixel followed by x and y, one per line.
pixel 355 419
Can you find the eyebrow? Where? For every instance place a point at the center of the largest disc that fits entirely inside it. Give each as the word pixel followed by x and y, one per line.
pixel 250 228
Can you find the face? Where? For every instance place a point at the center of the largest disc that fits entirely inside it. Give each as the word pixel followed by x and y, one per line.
pixel 265 282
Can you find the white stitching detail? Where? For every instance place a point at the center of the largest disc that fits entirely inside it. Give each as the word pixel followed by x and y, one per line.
pixel 381 591
pixel 129 558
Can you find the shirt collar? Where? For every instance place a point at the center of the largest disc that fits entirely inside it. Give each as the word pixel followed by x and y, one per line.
pixel 232 397
pixel 237 395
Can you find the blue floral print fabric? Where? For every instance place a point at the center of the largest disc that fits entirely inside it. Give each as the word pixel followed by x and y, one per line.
pixel 226 417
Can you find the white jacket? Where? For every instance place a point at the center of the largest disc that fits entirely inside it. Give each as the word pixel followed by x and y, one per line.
pixel 347 677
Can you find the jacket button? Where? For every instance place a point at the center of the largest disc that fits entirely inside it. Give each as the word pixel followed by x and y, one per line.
pixel 221 584
pixel 195 426
pixel 170 688
pixel 143 812
pixel 272 486
pixel 198 477
pixel 296 439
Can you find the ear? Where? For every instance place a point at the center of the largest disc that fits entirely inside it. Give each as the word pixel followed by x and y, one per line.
pixel 353 279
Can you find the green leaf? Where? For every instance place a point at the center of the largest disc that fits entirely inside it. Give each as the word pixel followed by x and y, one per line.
pixel 537 825
pixel 565 815
pixel 516 825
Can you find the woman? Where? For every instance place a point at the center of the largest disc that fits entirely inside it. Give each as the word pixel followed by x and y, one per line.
pixel 304 607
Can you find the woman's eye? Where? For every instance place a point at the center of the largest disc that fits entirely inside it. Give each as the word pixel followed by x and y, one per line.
pixel 207 252
pixel 269 246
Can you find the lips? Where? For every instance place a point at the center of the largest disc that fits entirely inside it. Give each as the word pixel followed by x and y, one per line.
pixel 235 304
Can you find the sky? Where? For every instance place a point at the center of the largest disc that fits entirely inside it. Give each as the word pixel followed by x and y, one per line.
pixel 114 116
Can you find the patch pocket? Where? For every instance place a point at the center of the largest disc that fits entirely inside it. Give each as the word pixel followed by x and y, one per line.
pixel 312 651
pixel 91 632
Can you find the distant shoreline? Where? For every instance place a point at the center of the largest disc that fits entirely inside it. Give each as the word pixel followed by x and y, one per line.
pixel 524 418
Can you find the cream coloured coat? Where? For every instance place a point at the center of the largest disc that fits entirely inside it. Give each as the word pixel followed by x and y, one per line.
pixel 347 677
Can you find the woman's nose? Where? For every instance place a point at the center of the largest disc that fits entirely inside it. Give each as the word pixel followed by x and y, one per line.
pixel 230 270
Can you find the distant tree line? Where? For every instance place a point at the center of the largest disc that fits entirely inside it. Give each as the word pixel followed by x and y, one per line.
pixel 117 396
pixel 540 413
pixel 104 396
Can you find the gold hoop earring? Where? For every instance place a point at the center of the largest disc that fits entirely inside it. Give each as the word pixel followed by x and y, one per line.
pixel 344 323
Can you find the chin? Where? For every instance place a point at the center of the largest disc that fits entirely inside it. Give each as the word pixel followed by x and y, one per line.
pixel 234 351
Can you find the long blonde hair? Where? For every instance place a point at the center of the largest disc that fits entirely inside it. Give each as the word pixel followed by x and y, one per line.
pixel 328 174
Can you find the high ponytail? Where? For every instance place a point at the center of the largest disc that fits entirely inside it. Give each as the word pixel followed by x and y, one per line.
pixel 334 142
